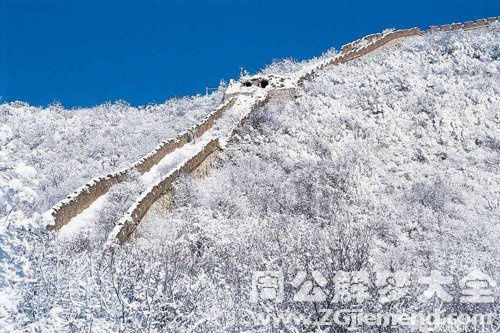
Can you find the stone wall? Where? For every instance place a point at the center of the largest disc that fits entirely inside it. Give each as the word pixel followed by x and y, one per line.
pixel 154 157
pixel 279 95
pixel 84 196
pixel 480 23
pixel 372 42
pixel 358 49
pixel 132 218
pixel 355 44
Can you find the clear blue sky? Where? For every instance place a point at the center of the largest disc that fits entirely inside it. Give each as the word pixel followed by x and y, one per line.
pixel 84 53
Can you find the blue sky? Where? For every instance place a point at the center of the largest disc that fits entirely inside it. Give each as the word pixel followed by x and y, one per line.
pixel 83 53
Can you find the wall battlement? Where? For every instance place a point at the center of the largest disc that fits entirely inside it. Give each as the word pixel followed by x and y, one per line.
pixel 134 215
pixel 138 210
pixel 274 88
pixel 479 23
pixel 85 195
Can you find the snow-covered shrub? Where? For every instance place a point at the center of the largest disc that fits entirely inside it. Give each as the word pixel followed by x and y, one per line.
pixel 291 65
pixel 389 162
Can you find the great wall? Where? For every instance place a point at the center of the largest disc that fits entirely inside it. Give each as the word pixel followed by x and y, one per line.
pixel 204 139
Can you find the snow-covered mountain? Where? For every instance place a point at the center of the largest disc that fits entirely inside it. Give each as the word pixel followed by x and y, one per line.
pixel 387 163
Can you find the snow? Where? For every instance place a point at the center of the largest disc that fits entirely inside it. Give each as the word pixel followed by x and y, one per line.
pixel 104 214
pixel 223 130
pixel 251 85
pixel 80 223
pixel 25 171
pixel 46 153
pixel 172 160
pixel 67 148
pixel 389 162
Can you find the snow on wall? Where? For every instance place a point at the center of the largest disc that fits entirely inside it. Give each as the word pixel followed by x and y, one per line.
pixel 278 87
pixel 284 88
pixel 480 23
pixel 133 217
pixel 84 196
pixel 129 222
pixel 357 49
pixel 279 95
pixel 166 147
pixel 258 103
pixel 369 43
pixel 355 44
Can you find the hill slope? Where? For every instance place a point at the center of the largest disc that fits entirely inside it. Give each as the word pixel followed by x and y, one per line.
pixel 387 163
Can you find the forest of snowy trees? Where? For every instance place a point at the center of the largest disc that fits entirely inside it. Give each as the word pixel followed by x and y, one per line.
pixel 389 164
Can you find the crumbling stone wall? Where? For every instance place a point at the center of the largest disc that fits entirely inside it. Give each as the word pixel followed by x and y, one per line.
pixel 354 50
pixel 84 196
pixel 131 220
pixel 166 147
pixel 480 23
pixel 276 96
pixel 372 42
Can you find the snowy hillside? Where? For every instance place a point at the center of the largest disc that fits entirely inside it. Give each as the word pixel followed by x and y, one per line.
pixel 47 153
pixel 391 162
pixel 53 150
pixel 388 162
